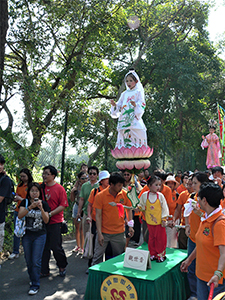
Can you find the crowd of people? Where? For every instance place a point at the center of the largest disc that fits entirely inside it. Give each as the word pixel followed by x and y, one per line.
pixel 169 215
pixel 183 210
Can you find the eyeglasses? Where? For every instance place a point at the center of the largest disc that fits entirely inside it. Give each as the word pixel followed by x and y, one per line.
pixel 92 173
pixel 126 174
pixel 46 174
pixel 83 178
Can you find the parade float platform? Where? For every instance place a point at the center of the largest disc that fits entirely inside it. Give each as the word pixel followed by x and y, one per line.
pixel 164 281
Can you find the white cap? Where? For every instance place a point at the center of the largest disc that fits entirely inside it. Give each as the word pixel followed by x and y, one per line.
pixel 103 175
pixel 172 178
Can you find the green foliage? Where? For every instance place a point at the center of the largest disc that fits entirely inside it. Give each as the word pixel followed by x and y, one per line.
pixel 76 53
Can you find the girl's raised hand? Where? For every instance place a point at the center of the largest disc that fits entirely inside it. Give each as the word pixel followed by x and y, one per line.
pixel 113 103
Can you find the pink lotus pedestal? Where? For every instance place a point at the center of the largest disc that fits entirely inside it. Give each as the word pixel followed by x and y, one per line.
pixel 132 158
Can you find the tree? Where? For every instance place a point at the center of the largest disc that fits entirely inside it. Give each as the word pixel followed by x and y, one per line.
pixel 3 32
pixel 179 70
pixel 53 54
pixel 77 52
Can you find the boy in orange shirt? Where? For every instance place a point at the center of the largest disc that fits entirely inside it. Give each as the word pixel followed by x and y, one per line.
pixel 110 227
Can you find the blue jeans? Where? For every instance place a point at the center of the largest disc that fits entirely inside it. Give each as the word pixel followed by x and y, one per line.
pixel 16 240
pixel 203 289
pixel 33 248
pixel 192 279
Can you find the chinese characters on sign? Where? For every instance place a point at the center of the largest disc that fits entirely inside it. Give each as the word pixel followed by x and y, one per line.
pixel 118 287
pixel 137 259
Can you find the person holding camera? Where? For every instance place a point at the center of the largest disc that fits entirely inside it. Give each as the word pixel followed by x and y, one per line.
pixel 36 213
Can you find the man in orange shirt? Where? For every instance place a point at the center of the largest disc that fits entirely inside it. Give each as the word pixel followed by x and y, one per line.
pixel 110 226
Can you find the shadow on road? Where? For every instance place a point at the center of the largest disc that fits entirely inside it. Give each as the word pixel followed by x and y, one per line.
pixel 14 279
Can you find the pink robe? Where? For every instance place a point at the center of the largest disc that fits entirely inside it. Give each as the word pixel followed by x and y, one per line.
pixel 213 153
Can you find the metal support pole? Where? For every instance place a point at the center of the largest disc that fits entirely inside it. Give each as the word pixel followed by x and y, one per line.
pixel 64 143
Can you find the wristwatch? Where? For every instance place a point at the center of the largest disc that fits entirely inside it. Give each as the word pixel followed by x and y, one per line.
pixel 50 214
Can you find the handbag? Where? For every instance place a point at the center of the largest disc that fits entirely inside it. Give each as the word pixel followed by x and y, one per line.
pixel 20 225
pixel 64 227
pixel 88 244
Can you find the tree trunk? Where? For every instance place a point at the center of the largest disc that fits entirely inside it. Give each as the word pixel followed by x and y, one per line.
pixel 3 32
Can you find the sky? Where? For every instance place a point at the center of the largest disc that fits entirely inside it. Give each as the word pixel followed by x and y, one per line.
pixel 216 25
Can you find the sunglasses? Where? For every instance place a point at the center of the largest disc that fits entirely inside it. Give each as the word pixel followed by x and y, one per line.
pixel 126 174
pixel 83 178
pixel 92 173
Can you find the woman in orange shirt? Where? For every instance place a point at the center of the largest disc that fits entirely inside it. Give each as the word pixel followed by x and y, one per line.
pixel 192 224
pixel 184 181
pixel 210 243
pixel 21 193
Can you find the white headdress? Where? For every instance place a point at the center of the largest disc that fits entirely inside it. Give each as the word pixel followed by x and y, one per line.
pixel 212 124
pixel 138 84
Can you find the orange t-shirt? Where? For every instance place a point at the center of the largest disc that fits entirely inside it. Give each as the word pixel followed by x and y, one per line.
pixel 181 188
pixel 145 189
pixel 91 200
pixel 173 204
pixel 182 199
pixel 208 254
pixel 194 221
pixel 22 192
pixel 166 191
pixel 111 222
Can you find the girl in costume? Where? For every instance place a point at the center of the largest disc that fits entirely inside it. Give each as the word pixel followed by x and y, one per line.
pixel 129 109
pixel 155 208
pixel 211 141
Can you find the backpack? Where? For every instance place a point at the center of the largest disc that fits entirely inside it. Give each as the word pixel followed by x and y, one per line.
pixel 9 199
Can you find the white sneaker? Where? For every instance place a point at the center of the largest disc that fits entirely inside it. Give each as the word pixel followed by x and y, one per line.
pixel 13 255
pixel 33 291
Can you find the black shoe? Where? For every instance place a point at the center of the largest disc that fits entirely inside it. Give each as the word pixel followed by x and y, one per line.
pixel 44 275
pixel 62 273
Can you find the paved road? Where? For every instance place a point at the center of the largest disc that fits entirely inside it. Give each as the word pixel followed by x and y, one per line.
pixel 14 279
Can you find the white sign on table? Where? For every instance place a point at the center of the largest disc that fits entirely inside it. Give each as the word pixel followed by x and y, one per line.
pixel 137 259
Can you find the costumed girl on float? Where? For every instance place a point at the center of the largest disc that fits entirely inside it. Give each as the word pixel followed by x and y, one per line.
pixel 129 109
pixel 156 211
pixel 211 141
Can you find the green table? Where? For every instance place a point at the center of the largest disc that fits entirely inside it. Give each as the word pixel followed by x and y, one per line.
pixel 163 281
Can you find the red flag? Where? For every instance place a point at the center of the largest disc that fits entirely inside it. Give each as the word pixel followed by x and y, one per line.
pixel 120 209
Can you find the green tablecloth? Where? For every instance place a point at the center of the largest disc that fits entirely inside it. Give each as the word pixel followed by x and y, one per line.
pixel 163 281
